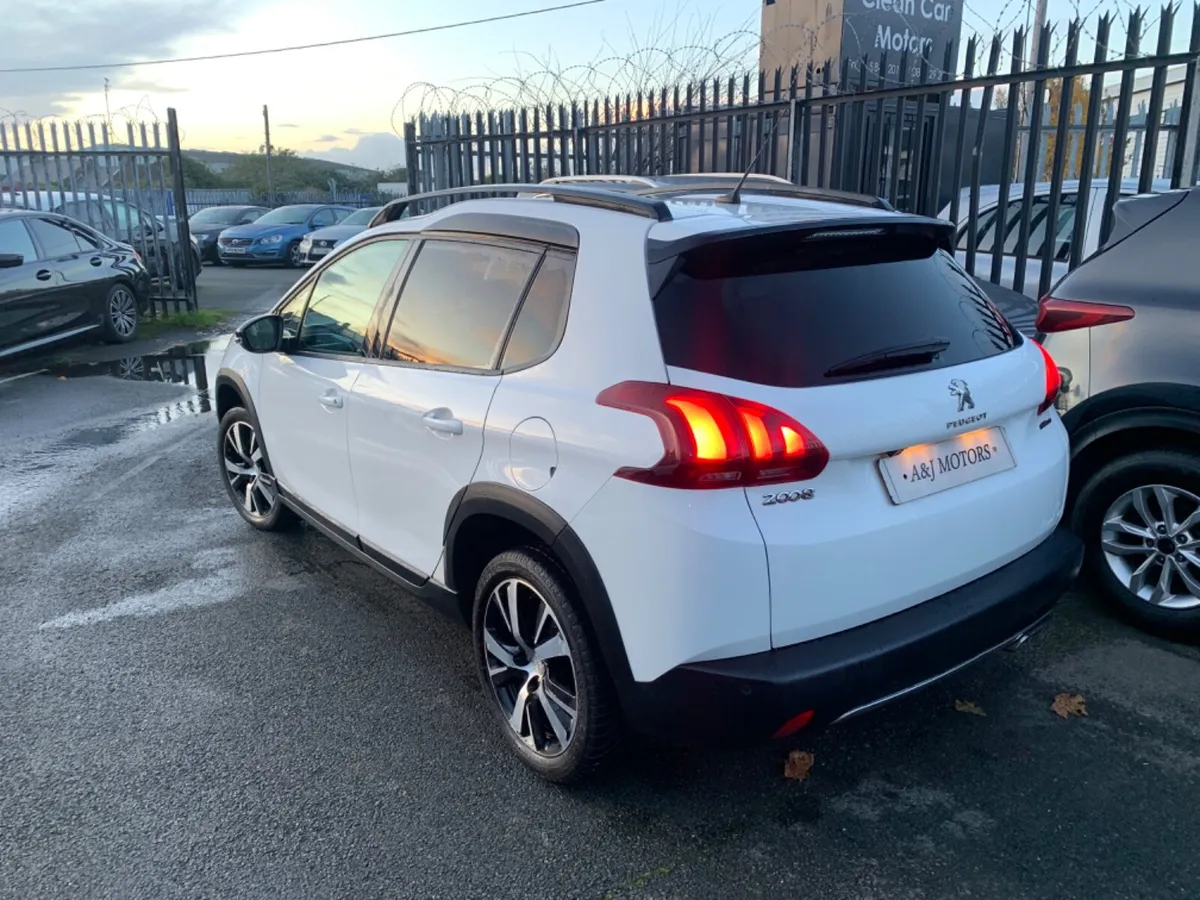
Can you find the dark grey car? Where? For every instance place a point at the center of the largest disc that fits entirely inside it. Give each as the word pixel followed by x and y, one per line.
pixel 1124 331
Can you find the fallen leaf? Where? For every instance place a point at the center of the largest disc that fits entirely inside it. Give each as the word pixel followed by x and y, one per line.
pixel 968 707
pixel 62 377
pixel 798 765
pixel 1067 705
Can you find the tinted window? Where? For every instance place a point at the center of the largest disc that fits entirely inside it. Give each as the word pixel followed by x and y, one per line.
pixel 773 310
pixel 88 240
pixel 1039 207
pixel 215 215
pixel 344 298
pixel 324 217
pixel 457 302
pixel 15 239
pixel 251 215
pixel 55 239
pixel 543 313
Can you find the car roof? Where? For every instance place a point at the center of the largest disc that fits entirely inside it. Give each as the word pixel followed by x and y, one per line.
pixel 683 217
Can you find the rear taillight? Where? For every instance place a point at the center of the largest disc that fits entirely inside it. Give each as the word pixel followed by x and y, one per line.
pixel 714 441
pixel 1069 315
pixel 1053 380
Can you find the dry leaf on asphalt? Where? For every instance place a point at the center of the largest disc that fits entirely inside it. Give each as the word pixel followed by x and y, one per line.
pixel 1067 705
pixel 798 765
pixel 968 707
pixel 62 377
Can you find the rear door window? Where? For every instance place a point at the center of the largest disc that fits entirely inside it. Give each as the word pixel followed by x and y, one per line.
pixel 778 310
pixel 457 303
pixel 55 239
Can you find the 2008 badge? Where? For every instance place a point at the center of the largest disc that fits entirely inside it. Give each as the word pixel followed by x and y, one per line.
pixel 787 497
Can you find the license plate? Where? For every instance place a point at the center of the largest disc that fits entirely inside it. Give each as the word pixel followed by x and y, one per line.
pixel 233 249
pixel 931 468
pixel 318 251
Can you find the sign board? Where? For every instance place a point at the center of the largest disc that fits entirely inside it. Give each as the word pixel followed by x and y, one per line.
pixel 922 27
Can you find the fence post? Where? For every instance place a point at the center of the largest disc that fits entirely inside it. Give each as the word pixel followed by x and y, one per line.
pixel 1186 165
pixel 412 155
pixel 183 233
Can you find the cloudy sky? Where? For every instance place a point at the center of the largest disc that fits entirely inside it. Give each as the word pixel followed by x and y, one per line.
pixel 332 99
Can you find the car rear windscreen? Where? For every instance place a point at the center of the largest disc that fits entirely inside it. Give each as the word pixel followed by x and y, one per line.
pixel 787 310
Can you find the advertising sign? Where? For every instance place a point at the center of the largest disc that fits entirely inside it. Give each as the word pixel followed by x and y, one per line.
pixel 922 27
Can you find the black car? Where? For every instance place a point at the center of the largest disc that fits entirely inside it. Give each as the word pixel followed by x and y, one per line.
pixel 1124 331
pixel 206 224
pixel 59 279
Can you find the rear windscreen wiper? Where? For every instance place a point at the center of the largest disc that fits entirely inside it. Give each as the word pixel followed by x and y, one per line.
pixel 890 358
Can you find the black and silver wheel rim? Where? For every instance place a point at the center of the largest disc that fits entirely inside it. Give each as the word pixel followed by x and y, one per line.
pixel 122 312
pixel 530 667
pixel 250 478
pixel 296 256
pixel 1151 541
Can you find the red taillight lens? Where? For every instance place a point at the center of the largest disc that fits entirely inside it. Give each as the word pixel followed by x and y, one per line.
pixel 1053 380
pixel 714 441
pixel 1068 315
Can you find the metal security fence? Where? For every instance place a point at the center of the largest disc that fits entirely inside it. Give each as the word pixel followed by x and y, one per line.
pixel 1015 158
pixel 124 186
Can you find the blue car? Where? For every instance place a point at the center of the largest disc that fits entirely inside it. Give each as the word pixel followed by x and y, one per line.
pixel 275 236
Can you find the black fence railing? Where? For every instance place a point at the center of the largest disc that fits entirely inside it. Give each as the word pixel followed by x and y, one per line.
pixel 1028 162
pixel 121 185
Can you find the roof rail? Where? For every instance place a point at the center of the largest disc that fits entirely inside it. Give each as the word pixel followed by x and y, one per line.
pixel 721 184
pixel 618 201
pixel 601 179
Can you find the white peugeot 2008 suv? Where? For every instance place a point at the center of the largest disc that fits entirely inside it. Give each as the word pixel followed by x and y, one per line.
pixel 714 467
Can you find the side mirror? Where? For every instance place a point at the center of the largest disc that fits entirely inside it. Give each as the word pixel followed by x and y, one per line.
pixel 261 335
pixel 11 260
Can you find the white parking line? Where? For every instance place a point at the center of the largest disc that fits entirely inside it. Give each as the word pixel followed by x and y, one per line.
pixel 148 462
pixel 22 375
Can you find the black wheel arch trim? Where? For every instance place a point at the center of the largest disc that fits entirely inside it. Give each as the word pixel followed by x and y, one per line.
pixel 1174 406
pixel 552 529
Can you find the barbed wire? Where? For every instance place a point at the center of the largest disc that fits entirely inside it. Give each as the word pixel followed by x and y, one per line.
pixel 664 61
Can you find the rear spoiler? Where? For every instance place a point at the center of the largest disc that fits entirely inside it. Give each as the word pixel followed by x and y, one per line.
pixel 664 257
pixel 848 227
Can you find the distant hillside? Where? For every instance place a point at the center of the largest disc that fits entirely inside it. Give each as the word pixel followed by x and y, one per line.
pixel 289 171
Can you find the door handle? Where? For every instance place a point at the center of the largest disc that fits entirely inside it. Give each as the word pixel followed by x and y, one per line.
pixel 442 421
pixel 44 275
pixel 330 401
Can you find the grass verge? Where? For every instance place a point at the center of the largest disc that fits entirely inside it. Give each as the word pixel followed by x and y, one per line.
pixel 195 320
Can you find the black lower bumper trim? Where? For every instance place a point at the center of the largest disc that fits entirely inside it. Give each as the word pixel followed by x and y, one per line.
pixel 746 699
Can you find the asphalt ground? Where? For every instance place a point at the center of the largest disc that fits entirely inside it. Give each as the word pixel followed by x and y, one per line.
pixel 189 708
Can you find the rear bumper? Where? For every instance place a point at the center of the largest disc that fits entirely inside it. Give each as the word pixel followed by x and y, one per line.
pixel 747 699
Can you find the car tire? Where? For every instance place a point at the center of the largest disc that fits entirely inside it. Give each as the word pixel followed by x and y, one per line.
pixel 197 264
pixel 528 688
pixel 247 474
pixel 293 259
pixel 1126 496
pixel 119 319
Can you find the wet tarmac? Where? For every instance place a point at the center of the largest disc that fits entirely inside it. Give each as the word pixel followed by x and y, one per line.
pixel 190 708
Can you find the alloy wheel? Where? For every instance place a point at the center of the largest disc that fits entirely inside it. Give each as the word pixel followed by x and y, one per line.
pixel 1151 541
pixel 296 256
pixel 246 468
pixel 530 667
pixel 122 312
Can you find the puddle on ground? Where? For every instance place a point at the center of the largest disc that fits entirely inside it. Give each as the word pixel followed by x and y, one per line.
pixel 190 365
pixel 185 364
